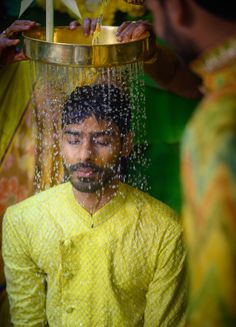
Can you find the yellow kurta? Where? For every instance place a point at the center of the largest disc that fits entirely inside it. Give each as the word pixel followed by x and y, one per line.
pixel 122 266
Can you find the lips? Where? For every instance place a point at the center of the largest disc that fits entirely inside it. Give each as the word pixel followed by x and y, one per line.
pixel 85 173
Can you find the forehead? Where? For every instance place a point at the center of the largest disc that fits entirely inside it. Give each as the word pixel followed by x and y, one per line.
pixel 91 125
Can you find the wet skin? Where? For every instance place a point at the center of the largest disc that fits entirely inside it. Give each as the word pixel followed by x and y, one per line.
pixel 92 152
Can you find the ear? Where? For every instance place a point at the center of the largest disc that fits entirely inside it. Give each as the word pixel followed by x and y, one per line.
pixel 127 145
pixel 180 12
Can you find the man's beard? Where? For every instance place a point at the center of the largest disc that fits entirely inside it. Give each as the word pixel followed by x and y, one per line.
pixel 103 176
pixel 184 47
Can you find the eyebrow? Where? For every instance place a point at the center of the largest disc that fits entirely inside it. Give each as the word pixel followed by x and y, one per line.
pixel 108 132
pixel 72 132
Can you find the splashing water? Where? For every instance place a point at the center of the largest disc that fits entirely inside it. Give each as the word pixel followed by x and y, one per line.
pixel 52 85
pixel 103 4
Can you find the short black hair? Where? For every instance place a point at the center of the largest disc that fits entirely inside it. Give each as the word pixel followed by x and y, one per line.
pixel 105 102
pixel 225 9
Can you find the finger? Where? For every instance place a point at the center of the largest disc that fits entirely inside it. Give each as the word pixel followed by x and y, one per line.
pixel 148 26
pixel 20 56
pixel 20 23
pixel 24 22
pixel 139 31
pixel 73 25
pixel 122 27
pixel 126 34
pixel 86 26
pixel 93 26
pixel 5 43
pixel 14 29
pixel 135 31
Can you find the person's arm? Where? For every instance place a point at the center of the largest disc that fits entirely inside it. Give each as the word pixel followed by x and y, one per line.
pixel 172 74
pixel 161 63
pixel 167 293
pixel 25 281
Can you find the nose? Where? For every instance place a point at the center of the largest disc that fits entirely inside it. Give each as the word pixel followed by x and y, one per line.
pixel 86 151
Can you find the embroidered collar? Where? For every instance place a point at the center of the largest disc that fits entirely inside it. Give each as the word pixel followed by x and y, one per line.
pixel 104 213
pixel 216 59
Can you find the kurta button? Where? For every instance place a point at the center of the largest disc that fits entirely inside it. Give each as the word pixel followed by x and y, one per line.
pixel 68 244
pixel 68 274
pixel 70 309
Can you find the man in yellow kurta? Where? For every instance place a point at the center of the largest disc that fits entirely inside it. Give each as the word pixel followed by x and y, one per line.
pixel 94 251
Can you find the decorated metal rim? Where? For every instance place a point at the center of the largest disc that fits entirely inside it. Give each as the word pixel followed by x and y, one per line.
pixel 73 48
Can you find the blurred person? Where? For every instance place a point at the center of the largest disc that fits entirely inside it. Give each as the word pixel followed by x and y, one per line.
pixel 204 35
pixel 94 251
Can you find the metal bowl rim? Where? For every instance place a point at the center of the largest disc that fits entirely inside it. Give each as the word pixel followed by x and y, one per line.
pixel 83 45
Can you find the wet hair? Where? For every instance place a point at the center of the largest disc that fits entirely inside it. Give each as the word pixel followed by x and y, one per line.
pixel 105 102
pixel 221 8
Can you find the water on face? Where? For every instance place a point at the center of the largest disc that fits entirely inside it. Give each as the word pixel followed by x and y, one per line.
pixel 53 84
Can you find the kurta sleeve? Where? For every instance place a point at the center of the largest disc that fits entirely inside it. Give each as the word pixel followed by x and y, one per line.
pixel 166 297
pixel 25 281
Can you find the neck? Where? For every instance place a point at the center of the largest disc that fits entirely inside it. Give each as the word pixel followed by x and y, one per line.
pixel 204 29
pixel 215 39
pixel 210 31
pixel 92 202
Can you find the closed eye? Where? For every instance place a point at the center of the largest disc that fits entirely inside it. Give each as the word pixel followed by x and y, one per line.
pixel 73 139
pixel 103 141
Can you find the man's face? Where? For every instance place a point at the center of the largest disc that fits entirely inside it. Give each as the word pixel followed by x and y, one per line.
pixel 91 152
pixel 172 33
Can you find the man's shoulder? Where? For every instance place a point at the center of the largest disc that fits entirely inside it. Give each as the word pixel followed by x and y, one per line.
pixel 217 108
pixel 217 111
pixel 147 205
pixel 41 199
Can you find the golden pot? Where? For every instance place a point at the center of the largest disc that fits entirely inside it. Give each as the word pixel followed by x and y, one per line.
pixel 73 48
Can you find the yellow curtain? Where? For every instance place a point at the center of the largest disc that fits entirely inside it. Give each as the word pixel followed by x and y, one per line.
pixel 17 146
pixel 15 88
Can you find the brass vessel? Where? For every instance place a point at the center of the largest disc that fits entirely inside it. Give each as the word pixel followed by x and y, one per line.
pixel 73 48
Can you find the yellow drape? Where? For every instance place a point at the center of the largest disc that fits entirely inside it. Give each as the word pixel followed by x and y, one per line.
pixel 15 88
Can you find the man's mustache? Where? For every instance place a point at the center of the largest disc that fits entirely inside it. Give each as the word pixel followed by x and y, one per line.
pixel 75 167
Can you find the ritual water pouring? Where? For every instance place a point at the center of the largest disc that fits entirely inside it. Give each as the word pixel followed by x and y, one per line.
pixel 73 59
pixel 73 48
